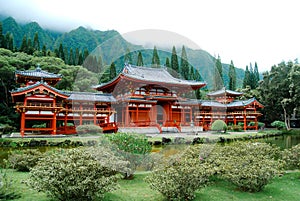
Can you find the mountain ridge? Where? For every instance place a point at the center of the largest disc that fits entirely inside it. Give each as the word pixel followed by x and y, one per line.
pixel 96 40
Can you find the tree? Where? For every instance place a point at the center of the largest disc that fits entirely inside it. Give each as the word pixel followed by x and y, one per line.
pixel 23 47
pixel 232 76
pixel 36 42
pixel 256 75
pixel 61 53
pixel 76 56
pixel 155 58
pixel 247 79
pixel 71 57
pixel 140 61
pixel 168 65
pixel 184 64
pixel 218 78
pixel 113 72
pixel 174 62
pixel 128 57
pixel 279 93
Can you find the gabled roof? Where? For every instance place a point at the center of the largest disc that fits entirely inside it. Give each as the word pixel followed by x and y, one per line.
pixel 94 97
pixel 151 76
pixel 242 103
pixel 38 72
pixel 236 103
pixel 225 92
pixel 41 85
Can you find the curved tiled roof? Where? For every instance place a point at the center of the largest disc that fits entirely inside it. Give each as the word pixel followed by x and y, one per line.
pixel 236 103
pixel 225 91
pixel 39 73
pixel 152 75
pixel 35 85
pixel 93 97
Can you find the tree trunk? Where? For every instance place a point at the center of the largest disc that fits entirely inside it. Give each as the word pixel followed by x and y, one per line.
pixel 286 119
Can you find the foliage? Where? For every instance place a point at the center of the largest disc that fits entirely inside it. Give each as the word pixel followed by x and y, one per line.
pixel 7 186
pixel 24 160
pixel 181 176
pixel 88 128
pixel 73 174
pixel 133 147
pixel 292 157
pixel 218 76
pixel 232 76
pixel 278 124
pixel 155 58
pixel 219 125
pixel 174 63
pixel 248 165
pixel 279 92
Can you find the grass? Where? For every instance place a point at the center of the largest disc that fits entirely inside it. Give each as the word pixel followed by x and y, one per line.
pixel 282 188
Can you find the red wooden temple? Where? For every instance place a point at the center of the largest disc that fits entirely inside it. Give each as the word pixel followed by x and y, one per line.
pixel 56 111
pixel 139 99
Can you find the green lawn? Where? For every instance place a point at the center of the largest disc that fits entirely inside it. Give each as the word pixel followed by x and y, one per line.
pixel 282 188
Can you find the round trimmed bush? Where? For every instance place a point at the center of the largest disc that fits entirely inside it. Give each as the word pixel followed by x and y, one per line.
pixel 219 125
pixel 24 160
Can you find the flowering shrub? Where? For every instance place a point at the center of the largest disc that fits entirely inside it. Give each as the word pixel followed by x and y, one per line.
pixel 292 157
pixel 24 160
pixel 73 174
pixel 248 165
pixel 181 176
pixel 89 128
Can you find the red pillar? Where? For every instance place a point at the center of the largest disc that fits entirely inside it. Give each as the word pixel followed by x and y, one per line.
pixel 22 130
pixel 127 116
pixel 54 124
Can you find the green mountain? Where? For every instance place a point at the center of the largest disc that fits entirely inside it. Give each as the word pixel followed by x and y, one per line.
pixel 112 47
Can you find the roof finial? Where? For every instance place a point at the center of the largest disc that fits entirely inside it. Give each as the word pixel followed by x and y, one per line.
pixel 38 68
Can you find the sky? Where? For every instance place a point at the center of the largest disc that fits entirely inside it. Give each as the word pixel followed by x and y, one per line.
pixel 244 31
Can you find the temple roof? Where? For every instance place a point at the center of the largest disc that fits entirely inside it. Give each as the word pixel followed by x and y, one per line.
pixel 236 103
pixel 23 89
pixel 225 92
pixel 91 97
pixel 38 73
pixel 153 76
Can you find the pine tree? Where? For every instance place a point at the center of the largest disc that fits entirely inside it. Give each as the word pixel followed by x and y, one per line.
pixel 61 53
pixel 232 76
pixel 168 65
pixel 36 42
pixel 71 57
pixel 76 56
pixel 85 54
pixel 23 47
pixel 174 62
pixel 140 61
pixel 113 72
pixel 30 48
pixel 256 75
pixel 184 64
pixel 127 57
pixel 247 80
pixel 155 58
pixel 99 64
pixel 10 42
pixel 44 50
pixel 218 81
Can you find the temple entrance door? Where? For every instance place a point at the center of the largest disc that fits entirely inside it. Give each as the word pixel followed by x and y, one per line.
pixel 160 114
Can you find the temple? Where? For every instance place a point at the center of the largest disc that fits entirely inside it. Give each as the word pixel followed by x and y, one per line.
pixel 139 99
pixel 47 110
